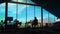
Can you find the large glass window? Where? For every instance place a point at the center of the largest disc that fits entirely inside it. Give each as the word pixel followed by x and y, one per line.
pixel 21 10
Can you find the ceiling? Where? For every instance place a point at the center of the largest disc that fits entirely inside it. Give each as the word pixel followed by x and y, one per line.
pixel 53 6
pixel 2 1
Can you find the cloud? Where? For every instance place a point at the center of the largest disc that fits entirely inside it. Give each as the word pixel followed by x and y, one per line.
pixel 12 8
pixel 2 7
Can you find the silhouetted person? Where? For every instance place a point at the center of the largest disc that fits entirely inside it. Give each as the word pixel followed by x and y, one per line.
pixel 1 20
pixel 16 24
pixel 20 23
pixel 2 24
pixel 35 22
pixel 46 25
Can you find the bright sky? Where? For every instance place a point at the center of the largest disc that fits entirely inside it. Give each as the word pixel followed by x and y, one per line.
pixel 22 12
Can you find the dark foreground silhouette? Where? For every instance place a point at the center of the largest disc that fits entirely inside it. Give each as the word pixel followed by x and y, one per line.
pixel 13 29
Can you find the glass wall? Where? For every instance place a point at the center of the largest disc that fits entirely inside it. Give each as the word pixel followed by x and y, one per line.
pixel 21 11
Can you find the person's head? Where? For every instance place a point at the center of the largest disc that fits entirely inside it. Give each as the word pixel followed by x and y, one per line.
pixel 1 20
pixel 35 17
pixel 15 20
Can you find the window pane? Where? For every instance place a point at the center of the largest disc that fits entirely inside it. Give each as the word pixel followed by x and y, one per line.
pixel 12 11
pixel 22 14
pixel 30 13
pixel 38 13
pixel 55 19
pixel 52 17
pixel 2 12
pixel 45 16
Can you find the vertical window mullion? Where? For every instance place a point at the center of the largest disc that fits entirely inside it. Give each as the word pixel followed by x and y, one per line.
pixel 17 11
pixel 48 17
pixel 41 17
pixel 26 13
pixel 6 13
pixel 34 11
